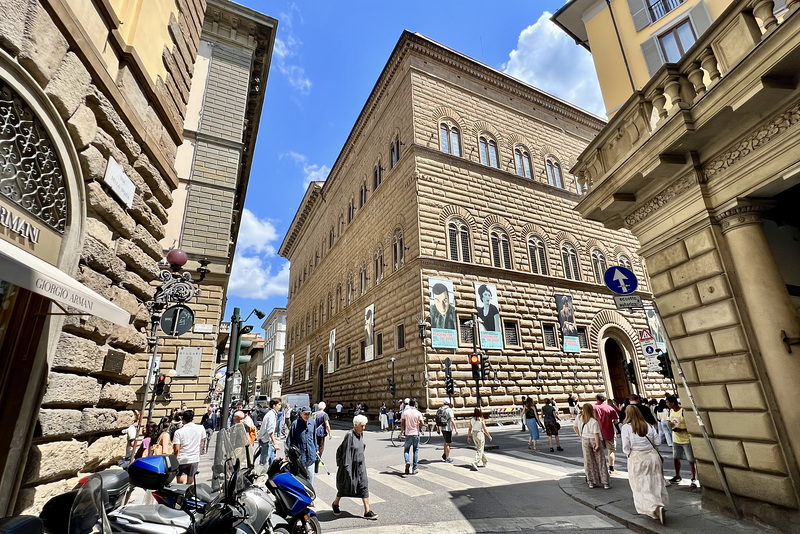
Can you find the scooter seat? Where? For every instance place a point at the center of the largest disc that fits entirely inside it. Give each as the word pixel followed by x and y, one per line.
pixel 159 514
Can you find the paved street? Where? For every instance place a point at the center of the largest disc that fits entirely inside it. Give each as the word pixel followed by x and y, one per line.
pixel 517 492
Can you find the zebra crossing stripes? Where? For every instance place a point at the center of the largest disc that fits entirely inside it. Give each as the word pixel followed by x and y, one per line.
pixel 396 483
pixel 516 472
pixel 480 476
pixel 428 476
pixel 330 481
pixel 529 463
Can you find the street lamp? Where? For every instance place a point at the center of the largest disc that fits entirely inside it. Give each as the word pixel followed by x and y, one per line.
pixel 238 328
pixel 176 289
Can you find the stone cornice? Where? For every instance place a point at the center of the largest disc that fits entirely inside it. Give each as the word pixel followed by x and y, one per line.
pixel 310 200
pixel 658 201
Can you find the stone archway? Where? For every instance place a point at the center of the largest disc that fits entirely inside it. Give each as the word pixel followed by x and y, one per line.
pixel 319 393
pixel 613 356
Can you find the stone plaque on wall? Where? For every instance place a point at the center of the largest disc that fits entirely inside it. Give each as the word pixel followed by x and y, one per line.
pixel 114 361
pixel 188 363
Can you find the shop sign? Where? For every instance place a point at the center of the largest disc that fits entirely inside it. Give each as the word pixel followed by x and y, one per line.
pixel 18 225
pixel 188 363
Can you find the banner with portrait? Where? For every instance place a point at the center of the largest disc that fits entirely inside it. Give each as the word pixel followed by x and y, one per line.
pixel 443 314
pixel 566 317
pixel 369 333
pixel 332 352
pixel 308 362
pixel 490 326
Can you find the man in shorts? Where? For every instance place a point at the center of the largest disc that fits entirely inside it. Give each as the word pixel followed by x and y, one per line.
pixel 681 445
pixel 188 442
pixel 607 416
pixel 447 431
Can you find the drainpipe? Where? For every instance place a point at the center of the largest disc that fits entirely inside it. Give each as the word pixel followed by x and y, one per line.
pixel 621 49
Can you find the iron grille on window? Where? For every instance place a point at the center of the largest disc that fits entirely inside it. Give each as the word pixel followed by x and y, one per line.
pixel 401 336
pixel 467 332
pixel 349 355
pixel 512 336
pixel 537 256
pixel 363 347
pixel 584 341
pixel 659 8
pixel 550 335
pixel 379 344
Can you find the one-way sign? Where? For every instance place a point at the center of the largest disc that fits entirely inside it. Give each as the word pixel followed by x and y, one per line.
pixel 620 280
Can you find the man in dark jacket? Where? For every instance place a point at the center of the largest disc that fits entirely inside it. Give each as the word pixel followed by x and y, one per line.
pixel 636 400
pixel 302 436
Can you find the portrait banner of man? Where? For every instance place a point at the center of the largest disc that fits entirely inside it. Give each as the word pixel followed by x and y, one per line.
pixel 332 352
pixel 369 330
pixel 489 324
pixel 566 317
pixel 656 328
pixel 443 314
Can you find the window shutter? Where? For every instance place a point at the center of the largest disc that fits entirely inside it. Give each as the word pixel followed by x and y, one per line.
pixel 506 254
pixel 640 14
pixel 532 252
pixel 653 57
pixel 701 18
pixel 466 257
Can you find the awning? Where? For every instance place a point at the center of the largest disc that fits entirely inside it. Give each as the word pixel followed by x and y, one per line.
pixel 25 270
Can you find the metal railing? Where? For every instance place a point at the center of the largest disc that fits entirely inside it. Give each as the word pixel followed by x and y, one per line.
pixel 659 8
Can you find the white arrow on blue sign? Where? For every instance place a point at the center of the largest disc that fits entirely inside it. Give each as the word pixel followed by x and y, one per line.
pixel 620 280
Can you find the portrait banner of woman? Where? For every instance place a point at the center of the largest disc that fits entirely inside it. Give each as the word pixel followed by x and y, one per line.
pixel 443 313
pixel 489 324
pixel 369 329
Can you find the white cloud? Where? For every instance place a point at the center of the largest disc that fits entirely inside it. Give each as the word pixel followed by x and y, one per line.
pixel 549 60
pixel 252 278
pixel 312 172
pixel 256 235
pixel 285 53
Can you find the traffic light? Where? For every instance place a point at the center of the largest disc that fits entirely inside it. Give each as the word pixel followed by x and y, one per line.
pixel 475 362
pixel 394 389
pixel 449 383
pixel 485 366
pixel 630 372
pixel 161 381
pixel 249 385
pixel 664 365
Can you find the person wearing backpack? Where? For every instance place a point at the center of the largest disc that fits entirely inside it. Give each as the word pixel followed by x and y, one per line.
pixel 323 425
pixel 446 424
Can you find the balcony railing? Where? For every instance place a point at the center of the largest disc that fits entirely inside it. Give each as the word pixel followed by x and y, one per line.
pixel 738 33
pixel 659 8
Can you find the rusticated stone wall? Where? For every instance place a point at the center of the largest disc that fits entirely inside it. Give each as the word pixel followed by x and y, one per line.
pixel 422 85
pixel 89 394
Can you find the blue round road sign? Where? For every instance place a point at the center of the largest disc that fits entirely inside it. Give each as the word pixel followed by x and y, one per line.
pixel 620 280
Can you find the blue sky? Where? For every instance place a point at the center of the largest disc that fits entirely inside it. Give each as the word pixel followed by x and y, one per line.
pixel 327 58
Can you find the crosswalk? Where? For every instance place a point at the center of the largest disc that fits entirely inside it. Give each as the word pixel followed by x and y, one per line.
pixel 390 482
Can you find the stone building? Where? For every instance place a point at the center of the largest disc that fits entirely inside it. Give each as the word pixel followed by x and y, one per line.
pixel 93 97
pixel 453 178
pixel 213 167
pixel 274 345
pixel 700 162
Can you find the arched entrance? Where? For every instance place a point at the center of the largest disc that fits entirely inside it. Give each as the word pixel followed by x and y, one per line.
pixel 320 393
pixel 615 355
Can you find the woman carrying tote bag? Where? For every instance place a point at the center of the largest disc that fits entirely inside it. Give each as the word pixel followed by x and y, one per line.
pixel 640 443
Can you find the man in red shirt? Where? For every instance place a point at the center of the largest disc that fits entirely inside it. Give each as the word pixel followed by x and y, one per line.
pixel 607 416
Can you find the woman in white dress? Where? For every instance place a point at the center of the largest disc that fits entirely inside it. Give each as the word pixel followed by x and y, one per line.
pixel 640 443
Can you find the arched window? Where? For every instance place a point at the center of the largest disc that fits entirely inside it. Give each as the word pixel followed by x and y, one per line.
pixel 316 258
pixel 362 280
pixel 501 249
pixel 330 305
pixel 537 255
pixel 363 194
pixel 554 173
pixel 314 320
pixel 459 243
pixel 523 161
pixel 398 251
pixel 350 290
pixel 341 224
pixel 488 150
pixel 570 258
pixel 351 211
pixel 377 176
pixel 378 265
pixel 332 237
pixel 338 298
pixel 599 265
pixel 322 311
pixel 625 261
pixel 450 139
pixel 394 153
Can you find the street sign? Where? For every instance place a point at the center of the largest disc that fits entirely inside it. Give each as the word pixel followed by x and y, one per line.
pixel 177 320
pixel 628 301
pixel 620 280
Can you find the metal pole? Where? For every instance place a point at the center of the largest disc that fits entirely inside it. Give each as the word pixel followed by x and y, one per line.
pixel 475 351
pixel 151 369
pixel 394 387
pixel 231 369
pixel 714 459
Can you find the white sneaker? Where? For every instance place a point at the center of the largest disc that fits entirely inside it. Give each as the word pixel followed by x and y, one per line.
pixel 474 466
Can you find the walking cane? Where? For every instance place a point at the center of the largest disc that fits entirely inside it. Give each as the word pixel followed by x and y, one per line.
pixel 319 459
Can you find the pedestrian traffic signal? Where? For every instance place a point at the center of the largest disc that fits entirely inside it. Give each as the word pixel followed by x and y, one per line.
pixel 450 385
pixel 664 365
pixel 161 381
pixel 475 362
pixel 485 366
pixel 249 386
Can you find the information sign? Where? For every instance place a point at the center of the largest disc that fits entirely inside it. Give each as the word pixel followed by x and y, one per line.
pixel 620 280
pixel 628 301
